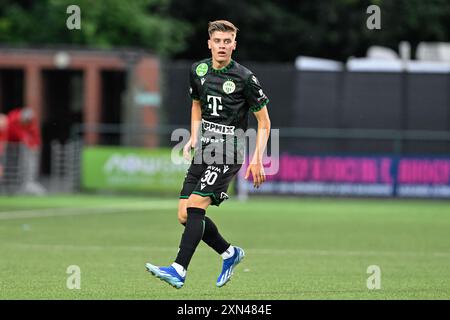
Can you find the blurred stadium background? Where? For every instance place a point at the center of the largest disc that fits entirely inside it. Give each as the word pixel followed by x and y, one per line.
pixel 364 141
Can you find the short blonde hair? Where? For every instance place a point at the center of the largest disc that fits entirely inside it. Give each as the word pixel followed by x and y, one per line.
pixel 221 25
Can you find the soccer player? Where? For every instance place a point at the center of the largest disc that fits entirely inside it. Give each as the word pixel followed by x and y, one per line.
pixel 223 92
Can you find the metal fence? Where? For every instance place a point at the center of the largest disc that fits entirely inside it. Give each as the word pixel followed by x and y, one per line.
pixel 300 139
pixel 65 166
pixel 22 167
pixel 13 169
pixel 21 172
pixel 361 166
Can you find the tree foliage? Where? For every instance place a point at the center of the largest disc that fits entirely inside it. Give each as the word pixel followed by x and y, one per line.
pixel 281 30
pixel 104 24
pixel 270 30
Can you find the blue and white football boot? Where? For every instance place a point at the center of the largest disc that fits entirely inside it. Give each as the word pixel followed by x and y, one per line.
pixel 167 274
pixel 228 266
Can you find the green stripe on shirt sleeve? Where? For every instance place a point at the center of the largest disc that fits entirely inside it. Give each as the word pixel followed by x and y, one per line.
pixel 259 107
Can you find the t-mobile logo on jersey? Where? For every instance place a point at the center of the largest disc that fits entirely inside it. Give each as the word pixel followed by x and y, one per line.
pixel 215 104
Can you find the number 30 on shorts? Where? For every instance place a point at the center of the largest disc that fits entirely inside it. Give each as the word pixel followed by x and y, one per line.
pixel 210 177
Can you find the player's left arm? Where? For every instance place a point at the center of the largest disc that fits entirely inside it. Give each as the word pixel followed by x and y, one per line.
pixel 255 167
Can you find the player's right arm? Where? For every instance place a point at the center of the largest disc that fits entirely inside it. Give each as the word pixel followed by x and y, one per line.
pixel 196 112
pixel 196 120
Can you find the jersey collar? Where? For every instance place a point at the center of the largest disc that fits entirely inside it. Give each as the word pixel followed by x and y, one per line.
pixel 222 70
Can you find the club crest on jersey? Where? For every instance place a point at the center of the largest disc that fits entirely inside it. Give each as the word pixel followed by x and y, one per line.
pixel 201 69
pixel 228 87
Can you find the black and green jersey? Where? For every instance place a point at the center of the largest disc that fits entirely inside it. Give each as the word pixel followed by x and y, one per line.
pixel 226 97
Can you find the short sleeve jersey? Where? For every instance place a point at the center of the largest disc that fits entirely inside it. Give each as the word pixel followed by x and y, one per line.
pixel 226 97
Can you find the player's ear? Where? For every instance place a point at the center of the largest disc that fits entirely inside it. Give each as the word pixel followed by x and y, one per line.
pixel 234 45
pixel 209 43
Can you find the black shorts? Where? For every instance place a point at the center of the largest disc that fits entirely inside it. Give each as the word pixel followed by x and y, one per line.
pixel 209 181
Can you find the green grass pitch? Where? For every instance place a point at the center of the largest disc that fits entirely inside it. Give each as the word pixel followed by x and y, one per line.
pixel 296 248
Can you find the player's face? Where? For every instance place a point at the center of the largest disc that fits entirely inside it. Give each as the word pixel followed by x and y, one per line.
pixel 222 45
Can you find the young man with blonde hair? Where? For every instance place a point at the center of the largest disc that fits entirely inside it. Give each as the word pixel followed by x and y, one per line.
pixel 223 93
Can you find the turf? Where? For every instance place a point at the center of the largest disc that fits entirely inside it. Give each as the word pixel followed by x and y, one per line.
pixel 296 248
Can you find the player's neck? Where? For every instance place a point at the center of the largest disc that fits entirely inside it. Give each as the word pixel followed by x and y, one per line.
pixel 220 65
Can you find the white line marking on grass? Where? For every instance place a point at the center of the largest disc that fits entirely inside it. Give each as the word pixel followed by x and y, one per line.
pixel 350 252
pixel 71 211
pixel 88 247
pixel 250 250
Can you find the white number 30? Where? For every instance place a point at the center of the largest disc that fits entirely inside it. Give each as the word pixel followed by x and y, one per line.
pixel 210 177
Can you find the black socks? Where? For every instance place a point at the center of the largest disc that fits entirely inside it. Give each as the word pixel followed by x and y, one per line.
pixel 211 237
pixel 193 233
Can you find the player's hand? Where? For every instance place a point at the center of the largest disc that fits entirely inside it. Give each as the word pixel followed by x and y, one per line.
pixel 257 172
pixel 187 149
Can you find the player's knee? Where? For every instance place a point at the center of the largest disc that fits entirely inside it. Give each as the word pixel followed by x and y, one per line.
pixel 182 216
pixel 198 202
pixel 182 213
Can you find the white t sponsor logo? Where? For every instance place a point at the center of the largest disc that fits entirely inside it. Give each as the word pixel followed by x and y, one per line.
pixel 215 104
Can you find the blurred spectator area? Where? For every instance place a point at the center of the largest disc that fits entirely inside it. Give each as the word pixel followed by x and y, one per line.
pixel 68 87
